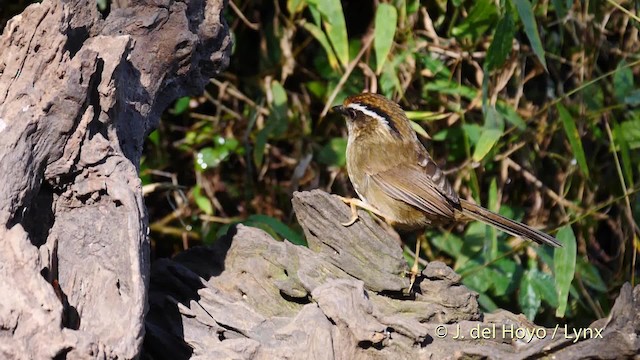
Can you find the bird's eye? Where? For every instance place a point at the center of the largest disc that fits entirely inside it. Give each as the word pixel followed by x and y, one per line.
pixel 351 113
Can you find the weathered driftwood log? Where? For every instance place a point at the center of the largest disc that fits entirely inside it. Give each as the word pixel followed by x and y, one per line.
pixel 78 95
pixel 251 297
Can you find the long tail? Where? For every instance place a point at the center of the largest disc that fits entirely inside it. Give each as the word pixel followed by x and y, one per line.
pixel 511 227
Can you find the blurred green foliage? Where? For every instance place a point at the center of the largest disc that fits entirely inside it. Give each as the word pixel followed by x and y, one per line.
pixel 534 104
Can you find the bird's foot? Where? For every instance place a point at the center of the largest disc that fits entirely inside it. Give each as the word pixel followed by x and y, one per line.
pixel 355 204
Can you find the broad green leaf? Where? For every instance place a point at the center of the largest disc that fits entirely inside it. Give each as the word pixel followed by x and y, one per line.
pixel 480 279
pixel 528 297
pixel 385 30
pixel 564 260
pixel 544 285
pixel 472 131
pixel 333 153
pixel 590 275
pixel 486 303
pixel 317 33
pixel 531 29
pixel 488 138
pixel 574 138
pixel 447 242
pixel 503 274
pixel 278 226
pixel 389 82
pixel 622 81
pixel 202 201
pixel 502 42
pixel 335 27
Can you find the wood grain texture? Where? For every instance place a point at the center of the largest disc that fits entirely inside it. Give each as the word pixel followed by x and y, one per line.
pixel 251 297
pixel 78 96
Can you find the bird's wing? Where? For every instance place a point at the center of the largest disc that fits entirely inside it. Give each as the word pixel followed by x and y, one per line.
pixel 411 184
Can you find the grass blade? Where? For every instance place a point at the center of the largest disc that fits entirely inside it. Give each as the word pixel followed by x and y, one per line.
pixel 531 28
pixel 574 138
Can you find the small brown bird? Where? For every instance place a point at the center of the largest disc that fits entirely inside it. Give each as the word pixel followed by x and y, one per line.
pixel 395 177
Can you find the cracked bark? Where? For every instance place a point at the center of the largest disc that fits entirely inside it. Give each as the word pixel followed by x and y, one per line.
pixel 250 297
pixel 78 96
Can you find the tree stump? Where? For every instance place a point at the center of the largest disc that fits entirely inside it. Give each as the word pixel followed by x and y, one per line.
pixel 251 297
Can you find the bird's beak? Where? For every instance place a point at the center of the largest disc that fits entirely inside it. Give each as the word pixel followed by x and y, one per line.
pixel 338 109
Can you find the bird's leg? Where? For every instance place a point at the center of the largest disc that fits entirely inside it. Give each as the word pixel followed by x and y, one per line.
pixel 355 204
pixel 415 268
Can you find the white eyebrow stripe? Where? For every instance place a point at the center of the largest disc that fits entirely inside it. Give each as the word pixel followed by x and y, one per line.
pixel 363 109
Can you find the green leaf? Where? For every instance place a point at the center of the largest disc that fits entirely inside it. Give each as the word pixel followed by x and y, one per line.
pixel 317 33
pixel 622 81
pixel 419 129
pixel 279 109
pixel 260 146
pixel 488 138
pixel 630 131
pixel 277 226
pixel 503 274
pixel 210 157
pixel 480 279
pixel 491 237
pixel 472 131
pixel 295 6
pixel 452 88
pixel 181 105
pixel 447 242
pixel 486 303
pixel 590 275
pixel 623 147
pixel 333 153
pixel 510 114
pixel 154 137
pixel 531 29
pixel 480 18
pixel 502 42
pixel 561 8
pixel 528 297
pixel 564 260
pixel 593 97
pixel 335 27
pixel 385 30
pixel 202 201
pixel 544 285
pixel 426 115
pixel 574 138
